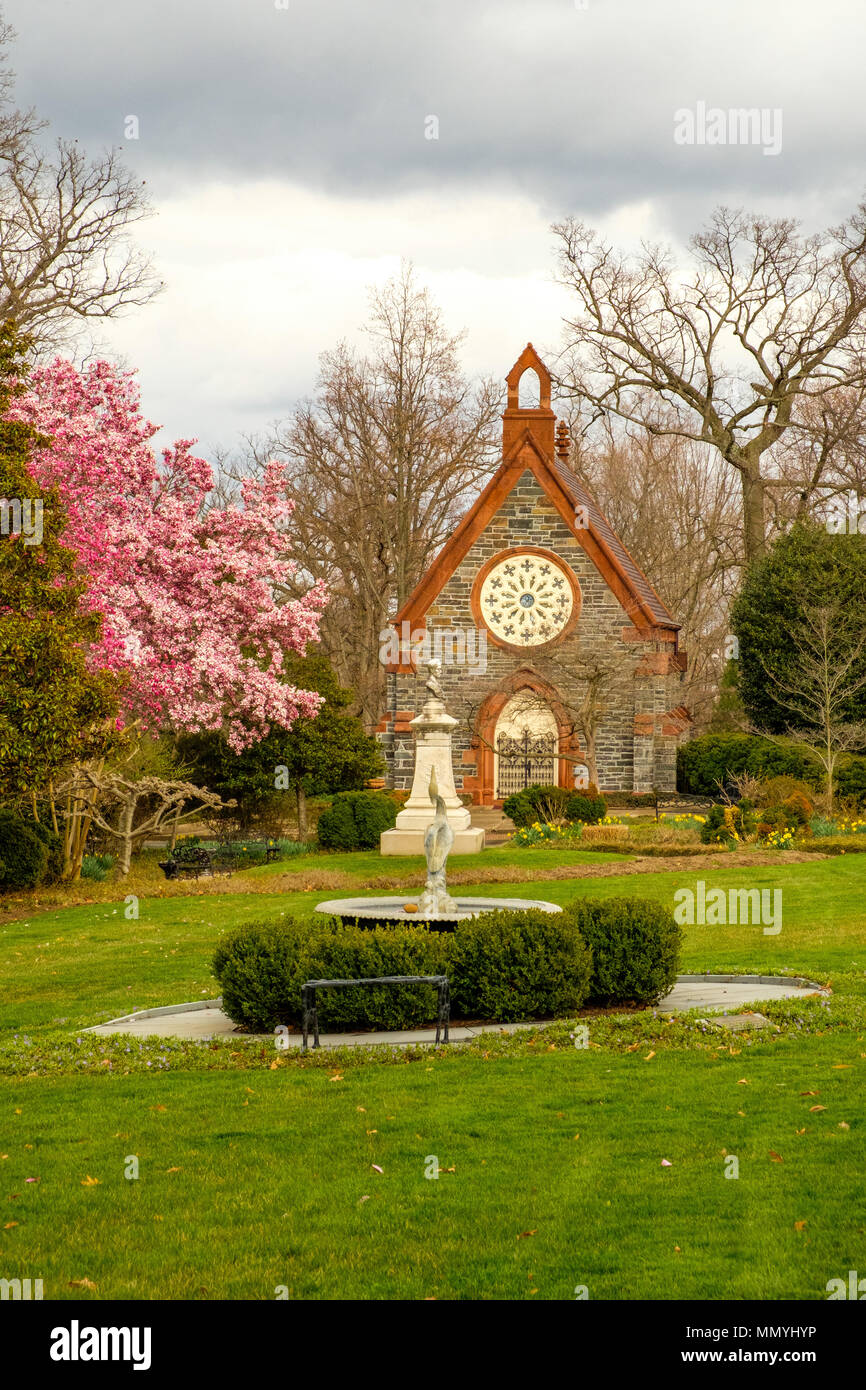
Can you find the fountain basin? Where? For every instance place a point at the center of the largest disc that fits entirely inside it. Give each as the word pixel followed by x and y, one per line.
pixel 372 912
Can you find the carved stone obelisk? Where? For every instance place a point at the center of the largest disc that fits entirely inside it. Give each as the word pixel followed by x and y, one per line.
pixel 432 729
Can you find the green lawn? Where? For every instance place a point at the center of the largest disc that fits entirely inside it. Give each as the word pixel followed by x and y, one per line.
pixel 245 1187
pixel 275 1184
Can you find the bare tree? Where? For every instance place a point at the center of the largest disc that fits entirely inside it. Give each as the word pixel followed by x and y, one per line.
pixel 766 317
pixel 66 258
pixel 141 806
pixel 830 644
pixel 669 500
pixel 381 463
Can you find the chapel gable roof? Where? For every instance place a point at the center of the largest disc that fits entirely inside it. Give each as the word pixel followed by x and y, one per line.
pixel 532 442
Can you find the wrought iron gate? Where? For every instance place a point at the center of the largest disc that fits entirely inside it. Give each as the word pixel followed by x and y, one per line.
pixel 524 760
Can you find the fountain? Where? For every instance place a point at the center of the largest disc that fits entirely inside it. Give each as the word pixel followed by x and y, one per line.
pixel 435 907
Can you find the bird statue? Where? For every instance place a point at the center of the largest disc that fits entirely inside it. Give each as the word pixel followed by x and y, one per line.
pixel 437 846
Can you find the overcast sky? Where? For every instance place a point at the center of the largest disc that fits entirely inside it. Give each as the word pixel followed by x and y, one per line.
pixel 286 154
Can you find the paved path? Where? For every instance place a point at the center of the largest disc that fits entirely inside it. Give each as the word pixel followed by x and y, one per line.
pixel 207 1020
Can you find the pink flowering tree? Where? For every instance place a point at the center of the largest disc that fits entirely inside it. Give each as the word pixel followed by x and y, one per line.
pixel 189 592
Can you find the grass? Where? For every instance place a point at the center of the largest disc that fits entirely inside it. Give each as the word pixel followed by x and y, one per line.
pixel 551 1177
pixel 256 1169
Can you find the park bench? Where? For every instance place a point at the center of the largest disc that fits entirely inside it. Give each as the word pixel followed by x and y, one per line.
pixel 185 861
pixel 311 1013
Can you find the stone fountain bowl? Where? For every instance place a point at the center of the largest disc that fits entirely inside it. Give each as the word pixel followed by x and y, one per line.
pixel 372 912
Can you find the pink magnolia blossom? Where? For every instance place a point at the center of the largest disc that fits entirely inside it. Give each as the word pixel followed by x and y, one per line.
pixel 187 591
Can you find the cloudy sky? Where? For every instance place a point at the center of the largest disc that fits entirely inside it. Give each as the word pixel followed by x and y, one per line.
pixel 286 147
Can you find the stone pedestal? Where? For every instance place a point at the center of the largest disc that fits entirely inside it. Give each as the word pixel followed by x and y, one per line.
pixel 432 729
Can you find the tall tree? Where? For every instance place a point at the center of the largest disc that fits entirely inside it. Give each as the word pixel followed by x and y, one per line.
pixel 380 464
pixel 723 354
pixel 66 258
pixel 55 705
pixel 780 619
pixel 189 593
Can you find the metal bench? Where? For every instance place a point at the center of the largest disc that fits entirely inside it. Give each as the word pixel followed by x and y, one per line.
pixel 311 1013
pixel 186 860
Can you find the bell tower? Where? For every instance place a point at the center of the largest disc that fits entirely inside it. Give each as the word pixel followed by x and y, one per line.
pixel 539 420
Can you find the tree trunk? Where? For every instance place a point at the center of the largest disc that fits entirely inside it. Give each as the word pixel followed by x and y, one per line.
pixel 125 837
pixel 301 797
pixel 754 524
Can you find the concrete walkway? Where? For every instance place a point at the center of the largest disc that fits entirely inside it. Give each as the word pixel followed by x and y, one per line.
pixel 206 1019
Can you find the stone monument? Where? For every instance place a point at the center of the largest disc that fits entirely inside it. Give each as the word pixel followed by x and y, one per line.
pixel 432 729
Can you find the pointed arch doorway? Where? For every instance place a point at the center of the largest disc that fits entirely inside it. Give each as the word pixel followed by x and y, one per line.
pixel 526 744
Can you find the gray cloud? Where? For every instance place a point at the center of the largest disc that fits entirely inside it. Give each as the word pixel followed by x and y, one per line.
pixel 572 107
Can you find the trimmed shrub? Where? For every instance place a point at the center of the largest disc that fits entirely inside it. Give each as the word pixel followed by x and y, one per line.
pixel 538 801
pixel 502 966
pixel 635 946
pixel 589 809
pixel 355 820
pixel 23 856
pixel 516 965
pixel 520 809
pixel 261 967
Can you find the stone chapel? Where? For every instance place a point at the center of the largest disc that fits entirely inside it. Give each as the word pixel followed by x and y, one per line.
pixel 558 656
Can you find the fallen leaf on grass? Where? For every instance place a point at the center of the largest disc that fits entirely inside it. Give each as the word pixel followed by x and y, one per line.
pixel 810 1093
pixel 798 1225
pixel 174 1170
pixel 376 1168
pixel 273 1066
pixel 159 1107
pixel 777 1158
pixel 9 1225
pixel 814 1108
pixel 362 1108
pixel 841 1066
pixel 336 1077
pixel 649 1056
pixel 666 1163
pixel 524 1234
pixel 89 1181
pixel 81 1284
pixel 365 1198
pixel 743 1081
pixel 842 1125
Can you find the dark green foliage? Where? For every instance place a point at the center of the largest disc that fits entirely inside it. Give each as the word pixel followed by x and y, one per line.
pixel 589 809
pixel 23 856
pixel 517 965
pixel 706 762
pixel 536 802
pixel 851 779
pixel 715 758
pixel 355 820
pixel 807 568
pixel 54 849
pixel 262 966
pixel 635 946
pixel 505 965
pixel 54 709
pixel 327 754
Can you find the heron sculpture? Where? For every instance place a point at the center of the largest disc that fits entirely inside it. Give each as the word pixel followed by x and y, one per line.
pixel 437 846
